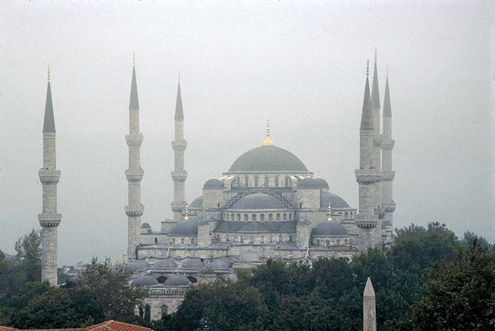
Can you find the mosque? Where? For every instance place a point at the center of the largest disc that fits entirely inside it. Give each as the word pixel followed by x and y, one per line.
pixel 266 205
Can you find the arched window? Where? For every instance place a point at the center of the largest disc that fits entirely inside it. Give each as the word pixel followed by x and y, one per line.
pixel 266 181
pixel 318 242
pixel 287 181
pixel 147 313
pixel 285 217
pixel 262 217
pixel 242 239
pixel 270 217
pixel 276 181
pixel 253 217
pixel 271 238
pixel 256 181
pixel 173 241
pixel 192 279
pixel 278 217
pixel 227 238
pixel 246 181
pixel 280 238
pixel 290 217
pixel 328 243
pixel 182 240
pixel 251 239
pixel 156 240
pixel 262 239
pixel 238 217
pixel 232 216
pixel 193 240
pixel 246 217
pixel 291 238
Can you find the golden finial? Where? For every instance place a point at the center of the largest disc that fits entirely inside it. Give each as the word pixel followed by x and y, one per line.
pixel 308 175
pixel 48 73
pixel 319 174
pixel 133 59
pixel 329 212
pixel 212 175
pixel 367 68
pixel 268 141
pixel 186 213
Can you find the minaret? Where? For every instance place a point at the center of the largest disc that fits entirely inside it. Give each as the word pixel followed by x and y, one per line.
pixel 134 210
pixel 367 175
pixel 179 175
pixel 369 307
pixel 49 175
pixel 387 145
pixel 375 110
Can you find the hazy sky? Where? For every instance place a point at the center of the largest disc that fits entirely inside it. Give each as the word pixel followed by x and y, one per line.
pixel 299 64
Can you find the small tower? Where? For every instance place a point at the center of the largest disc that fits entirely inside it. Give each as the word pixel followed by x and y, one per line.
pixel 179 175
pixel 49 175
pixel 377 140
pixel 369 307
pixel 134 209
pixel 387 145
pixel 367 175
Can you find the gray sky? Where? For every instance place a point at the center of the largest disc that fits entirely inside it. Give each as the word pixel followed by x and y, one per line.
pixel 299 64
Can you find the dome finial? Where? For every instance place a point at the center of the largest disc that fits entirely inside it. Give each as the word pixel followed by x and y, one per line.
pixel 48 73
pixel 268 141
pixel 186 212
pixel 329 212
pixel 319 174
pixel 367 68
pixel 212 175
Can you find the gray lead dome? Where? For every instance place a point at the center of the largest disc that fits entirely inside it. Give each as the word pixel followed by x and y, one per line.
pixel 330 229
pixel 313 183
pixel 268 159
pixel 213 184
pixel 144 280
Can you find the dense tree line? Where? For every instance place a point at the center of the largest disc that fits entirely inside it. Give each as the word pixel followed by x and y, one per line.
pixel 427 280
pixel 101 293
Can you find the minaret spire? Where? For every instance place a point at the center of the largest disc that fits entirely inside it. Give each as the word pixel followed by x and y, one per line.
pixel 375 110
pixel 179 145
pixel 134 209
pixel 366 115
pixel 387 145
pixel 49 176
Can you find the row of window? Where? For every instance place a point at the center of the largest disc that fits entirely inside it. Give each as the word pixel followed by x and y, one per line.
pixel 255 240
pixel 260 216
pixel 264 182
pixel 328 242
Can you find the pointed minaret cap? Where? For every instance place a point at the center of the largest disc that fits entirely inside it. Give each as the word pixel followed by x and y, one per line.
pixel 387 109
pixel 369 291
pixel 179 114
pixel 367 117
pixel 375 92
pixel 268 141
pixel 49 121
pixel 134 101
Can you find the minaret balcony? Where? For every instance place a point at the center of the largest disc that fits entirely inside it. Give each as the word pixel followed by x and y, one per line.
pixel 179 145
pixel 49 176
pixel 178 207
pixel 179 176
pixel 134 175
pixel 368 176
pixel 388 144
pixel 388 175
pixel 49 219
pixel 134 140
pixel 389 206
pixel 366 224
pixel 134 211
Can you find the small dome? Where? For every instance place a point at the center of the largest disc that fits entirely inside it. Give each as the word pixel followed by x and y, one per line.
pixel 207 270
pixel 335 201
pixel 329 229
pixel 138 265
pixel 185 228
pixel 197 203
pixel 213 184
pixel 165 264
pixel 313 183
pixel 221 264
pixel 193 264
pixel 145 226
pixel 258 201
pixel 386 224
pixel 248 256
pixel 268 159
pixel 177 280
pixel 144 280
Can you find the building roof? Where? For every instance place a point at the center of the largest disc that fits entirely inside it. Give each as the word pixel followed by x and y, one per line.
pixel 367 116
pixel 138 265
pixel 179 114
pixel 268 159
pixel 313 183
pixel 197 203
pixel 259 200
pixel 334 200
pixel 185 228
pixel 386 223
pixel 256 227
pixel 145 226
pixel 206 270
pixel 144 280
pixel 193 263
pixel 177 280
pixel 221 264
pixel 116 326
pixel 165 264
pixel 387 108
pixel 213 184
pixel 329 229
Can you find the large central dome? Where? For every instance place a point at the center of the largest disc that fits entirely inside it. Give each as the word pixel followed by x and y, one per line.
pixel 268 159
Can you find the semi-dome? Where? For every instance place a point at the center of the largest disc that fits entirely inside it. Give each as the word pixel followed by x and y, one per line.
pixel 165 264
pixel 138 265
pixel 268 159
pixel 313 183
pixel 145 226
pixel 197 203
pixel 334 200
pixel 221 264
pixel 386 224
pixel 185 228
pixel 213 184
pixel 258 201
pixel 177 280
pixel 193 264
pixel 329 229
pixel 144 280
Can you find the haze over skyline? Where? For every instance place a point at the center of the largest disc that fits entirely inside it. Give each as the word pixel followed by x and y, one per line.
pixel 300 66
